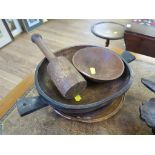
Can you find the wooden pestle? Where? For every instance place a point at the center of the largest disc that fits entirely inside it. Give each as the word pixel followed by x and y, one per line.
pixel 66 78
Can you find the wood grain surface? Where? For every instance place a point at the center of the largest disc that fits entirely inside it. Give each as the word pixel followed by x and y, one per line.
pixel 10 99
pixel 20 58
pixel 126 121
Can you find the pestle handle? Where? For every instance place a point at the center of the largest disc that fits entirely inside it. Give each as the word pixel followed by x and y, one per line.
pixel 37 39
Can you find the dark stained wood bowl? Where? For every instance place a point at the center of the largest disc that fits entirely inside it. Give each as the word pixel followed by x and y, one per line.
pixel 108 65
pixel 95 96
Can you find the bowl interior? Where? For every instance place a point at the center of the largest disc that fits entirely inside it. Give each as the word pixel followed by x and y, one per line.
pixel 93 93
pixel 98 63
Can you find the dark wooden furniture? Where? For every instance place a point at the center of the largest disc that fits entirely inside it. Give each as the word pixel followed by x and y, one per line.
pixel 140 39
pixel 94 96
pixel 108 31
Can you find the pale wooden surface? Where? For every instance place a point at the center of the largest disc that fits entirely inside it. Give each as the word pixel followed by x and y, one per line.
pixel 126 121
pixel 10 99
pixel 20 58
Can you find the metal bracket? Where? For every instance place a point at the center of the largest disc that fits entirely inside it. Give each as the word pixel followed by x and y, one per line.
pixel 26 106
pixel 149 84
pixel 128 56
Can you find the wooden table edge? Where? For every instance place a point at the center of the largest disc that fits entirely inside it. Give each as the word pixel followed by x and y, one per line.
pixel 7 102
pixel 10 99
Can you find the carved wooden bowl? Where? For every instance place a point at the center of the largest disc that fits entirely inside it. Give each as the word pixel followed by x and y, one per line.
pixel 99 64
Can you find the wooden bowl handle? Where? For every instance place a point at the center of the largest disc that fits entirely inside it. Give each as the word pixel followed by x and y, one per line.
pixel 37 39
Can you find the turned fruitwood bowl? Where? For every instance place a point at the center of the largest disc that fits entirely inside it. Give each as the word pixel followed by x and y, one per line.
pixel 98 64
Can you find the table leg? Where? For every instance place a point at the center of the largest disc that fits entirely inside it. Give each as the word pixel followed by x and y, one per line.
pixel 107 42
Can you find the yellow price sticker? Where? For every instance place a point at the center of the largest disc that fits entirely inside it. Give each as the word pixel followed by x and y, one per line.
pixel 78 98
pixel 92 70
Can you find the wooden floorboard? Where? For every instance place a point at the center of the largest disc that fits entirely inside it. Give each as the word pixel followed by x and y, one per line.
pixel 20 58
